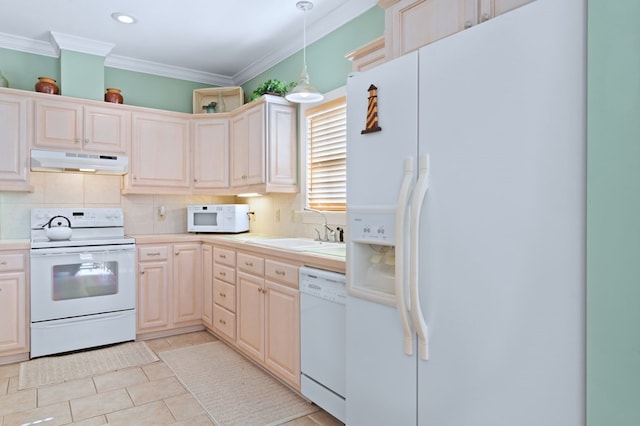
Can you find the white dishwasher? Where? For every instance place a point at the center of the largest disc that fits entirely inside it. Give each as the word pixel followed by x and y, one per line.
pixel 323 339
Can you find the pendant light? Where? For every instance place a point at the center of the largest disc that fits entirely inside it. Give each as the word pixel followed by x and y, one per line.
pixel 304 92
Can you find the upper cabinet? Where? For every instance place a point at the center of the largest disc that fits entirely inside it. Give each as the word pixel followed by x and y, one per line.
pixel 15 127
pixel 71 125
pixel 250 149
pixel 160 154
pixel 264 147
pixel 411 24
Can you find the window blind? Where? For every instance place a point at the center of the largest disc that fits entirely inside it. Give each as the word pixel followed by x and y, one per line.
pixel 327 156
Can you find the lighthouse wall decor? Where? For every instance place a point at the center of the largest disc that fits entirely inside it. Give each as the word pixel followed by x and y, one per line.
pixel 372 112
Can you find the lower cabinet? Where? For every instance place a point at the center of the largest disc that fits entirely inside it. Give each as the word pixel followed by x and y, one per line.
pixel 249 301
pixel 282 321
pixel 14 316
pixel 268 315
pixel 169 286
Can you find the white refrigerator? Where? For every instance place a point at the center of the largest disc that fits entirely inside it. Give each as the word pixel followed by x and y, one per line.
pixel 466 171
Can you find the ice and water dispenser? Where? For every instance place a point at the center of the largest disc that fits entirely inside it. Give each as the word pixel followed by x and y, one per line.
pixel 373 254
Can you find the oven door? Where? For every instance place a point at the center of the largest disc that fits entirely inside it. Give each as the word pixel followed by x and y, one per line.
pixel 74 281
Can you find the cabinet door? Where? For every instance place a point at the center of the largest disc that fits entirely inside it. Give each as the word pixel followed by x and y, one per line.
pixel 58 124
pixel 207 285
pixel 250 315
pixel 247 155
pixel 160 152
pixel 187 284
pixel 282 140
pixel 106 130
pixel 13 305
pixel 14 168
pixel 416 23
pixel 239 150
pixel 282 332
pixel 256 145
pixel 153 295
pixel 211 153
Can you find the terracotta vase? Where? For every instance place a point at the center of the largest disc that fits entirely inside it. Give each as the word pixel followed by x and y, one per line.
pixel 113 95
pixel 47 85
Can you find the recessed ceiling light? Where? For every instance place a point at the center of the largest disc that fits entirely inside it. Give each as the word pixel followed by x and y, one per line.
pixel 123 18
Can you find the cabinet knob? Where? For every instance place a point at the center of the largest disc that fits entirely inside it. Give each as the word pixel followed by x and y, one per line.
pixel 195 180
pixel 222 295
pixel 248 263
pixel 280 272
pixel 142 272
pixel 223 256
pixel 223 322
pixel 3 263
pixel 223 274
pixel 78 140
pixel 86 141
pixel 177 253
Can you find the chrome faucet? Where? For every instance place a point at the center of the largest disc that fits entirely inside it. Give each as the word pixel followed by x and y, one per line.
pixel 326 227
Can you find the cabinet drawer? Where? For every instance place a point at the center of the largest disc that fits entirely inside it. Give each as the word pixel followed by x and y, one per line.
pixel 224 273
pixel 224 294
pixel 153 253
pixel 252 264
pixel 282 272
pixel 224 321
pixel 224 256
pixel 12 262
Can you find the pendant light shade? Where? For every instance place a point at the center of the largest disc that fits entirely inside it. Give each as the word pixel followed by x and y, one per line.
pixel 304 92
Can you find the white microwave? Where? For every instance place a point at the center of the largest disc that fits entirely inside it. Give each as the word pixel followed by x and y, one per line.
pixel 226 218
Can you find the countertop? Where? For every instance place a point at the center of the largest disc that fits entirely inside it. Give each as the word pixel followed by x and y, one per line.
pixel 324 260
pixel 15 244
pixel 317 259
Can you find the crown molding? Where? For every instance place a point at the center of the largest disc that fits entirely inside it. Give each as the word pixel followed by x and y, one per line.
pixel 148 67
pixel 28 45
pixel 80 44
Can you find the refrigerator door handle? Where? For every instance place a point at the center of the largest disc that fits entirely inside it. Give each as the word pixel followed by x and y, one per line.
pixel 400 232
pixel 416 209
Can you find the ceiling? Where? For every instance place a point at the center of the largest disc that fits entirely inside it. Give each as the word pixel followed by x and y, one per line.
pixel 219 42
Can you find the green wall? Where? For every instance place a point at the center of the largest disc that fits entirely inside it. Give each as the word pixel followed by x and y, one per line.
pixel 153 91
pixel 613 214
pixel 23 69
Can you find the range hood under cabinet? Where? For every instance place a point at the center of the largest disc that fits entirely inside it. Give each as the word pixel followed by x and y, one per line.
pixel 58 161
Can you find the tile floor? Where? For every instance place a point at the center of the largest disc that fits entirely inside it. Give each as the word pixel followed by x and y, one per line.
pixel 146 395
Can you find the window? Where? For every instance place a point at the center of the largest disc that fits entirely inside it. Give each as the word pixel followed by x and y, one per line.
pixel 327 156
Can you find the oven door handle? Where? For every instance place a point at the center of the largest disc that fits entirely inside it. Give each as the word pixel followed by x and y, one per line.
pixel 83 320
pixel 65 251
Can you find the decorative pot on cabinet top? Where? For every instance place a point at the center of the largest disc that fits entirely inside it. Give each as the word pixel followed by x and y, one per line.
pixel 47 85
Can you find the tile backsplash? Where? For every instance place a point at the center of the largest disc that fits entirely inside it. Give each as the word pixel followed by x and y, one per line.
pixel 275 214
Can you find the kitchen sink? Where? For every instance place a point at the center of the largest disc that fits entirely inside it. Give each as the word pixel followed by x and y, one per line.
pixel 330 251
pixel 298 244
